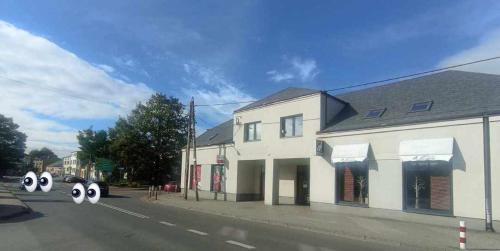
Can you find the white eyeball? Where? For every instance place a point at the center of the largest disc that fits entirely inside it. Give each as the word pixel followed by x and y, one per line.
pixel 30 181
pixel 78 193
pixel 46 181
pixel 93 193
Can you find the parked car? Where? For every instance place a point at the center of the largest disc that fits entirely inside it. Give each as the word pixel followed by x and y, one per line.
pixel 66 178
pixel 21 184
pixel 74 179
pixel 103 185
pixel 171 187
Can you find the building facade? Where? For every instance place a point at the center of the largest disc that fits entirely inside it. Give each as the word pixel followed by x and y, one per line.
pixel 56 168
pixel 72 165
pixel 419 145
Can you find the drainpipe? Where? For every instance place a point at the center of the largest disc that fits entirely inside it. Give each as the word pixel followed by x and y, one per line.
pixel 487 173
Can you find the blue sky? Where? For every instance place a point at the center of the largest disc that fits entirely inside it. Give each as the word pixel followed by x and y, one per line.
pixel 119 52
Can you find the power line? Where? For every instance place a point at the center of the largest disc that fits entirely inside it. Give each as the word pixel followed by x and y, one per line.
pixel 230 103
pixel 413 74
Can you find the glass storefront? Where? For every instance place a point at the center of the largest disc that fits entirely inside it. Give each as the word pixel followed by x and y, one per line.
pixel 427 187
pixel 352 183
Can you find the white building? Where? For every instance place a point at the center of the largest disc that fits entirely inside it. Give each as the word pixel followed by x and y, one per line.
pixel 72 165
pixel 417 145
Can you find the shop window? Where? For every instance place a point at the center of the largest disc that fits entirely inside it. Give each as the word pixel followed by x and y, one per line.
pixel 216 180
pixel 352 184
pixel 428 187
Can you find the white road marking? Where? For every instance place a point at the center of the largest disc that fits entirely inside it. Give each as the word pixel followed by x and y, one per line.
pixel 167 223
pixel 124 211
pixel 197 232
pixel 240 244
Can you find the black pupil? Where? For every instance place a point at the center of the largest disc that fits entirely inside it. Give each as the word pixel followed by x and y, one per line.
pixel 28 181
pixel 91 193
pixel 43 181
pixel 75 192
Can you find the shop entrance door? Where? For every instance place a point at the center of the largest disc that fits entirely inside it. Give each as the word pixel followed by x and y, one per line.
pixel 302 186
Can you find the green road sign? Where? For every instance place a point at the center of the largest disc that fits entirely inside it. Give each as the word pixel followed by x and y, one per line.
pixel 105 165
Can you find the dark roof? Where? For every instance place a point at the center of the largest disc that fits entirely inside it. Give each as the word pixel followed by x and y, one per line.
pixel 454 94
pixel 288 93
pixel 221 134
pixel 58 163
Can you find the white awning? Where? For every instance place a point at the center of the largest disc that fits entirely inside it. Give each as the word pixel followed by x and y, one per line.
pixel 426 149
pixel 350 153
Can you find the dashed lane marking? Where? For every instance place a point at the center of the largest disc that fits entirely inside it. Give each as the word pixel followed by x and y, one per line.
pixel 236 243
pixel 124 211
pixel 197 232
pixel 167 223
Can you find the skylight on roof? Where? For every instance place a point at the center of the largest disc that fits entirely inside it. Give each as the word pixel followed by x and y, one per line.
pixel 421 106
pixel 375 113
pixel 213 136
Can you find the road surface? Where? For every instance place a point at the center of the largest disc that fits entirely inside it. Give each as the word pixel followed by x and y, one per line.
pixel 124 222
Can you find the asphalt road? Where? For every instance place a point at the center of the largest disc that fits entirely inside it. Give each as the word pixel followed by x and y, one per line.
pixel 124 222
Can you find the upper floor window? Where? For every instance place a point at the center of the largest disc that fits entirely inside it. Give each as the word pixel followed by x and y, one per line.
pixel 253 131
pixel 291 126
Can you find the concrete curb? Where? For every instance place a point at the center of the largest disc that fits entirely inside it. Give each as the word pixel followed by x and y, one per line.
pixel 21 207
pixel 341 234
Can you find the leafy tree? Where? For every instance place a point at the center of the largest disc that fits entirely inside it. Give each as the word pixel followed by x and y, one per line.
pixel 12 145
pixel 148 142
pixel 93 145
pixel 45 154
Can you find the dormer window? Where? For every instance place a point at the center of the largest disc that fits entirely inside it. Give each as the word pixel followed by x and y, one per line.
pixel 421 106
pixel 375 113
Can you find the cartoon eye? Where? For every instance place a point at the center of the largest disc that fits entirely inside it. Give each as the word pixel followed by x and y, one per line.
pixel 78 193
pixel 46 181
pixel 93 193
pixel 30 181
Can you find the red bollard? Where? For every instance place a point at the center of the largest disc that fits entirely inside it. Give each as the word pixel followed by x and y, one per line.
pixel 462 234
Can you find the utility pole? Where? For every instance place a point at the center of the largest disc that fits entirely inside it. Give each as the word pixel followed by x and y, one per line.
pixel 188 151
pixel 487 174
pixel 194 149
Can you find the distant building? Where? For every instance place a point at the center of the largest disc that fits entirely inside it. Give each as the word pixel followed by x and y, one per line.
pixel 72 165
pixel 39 167
pixel 56 168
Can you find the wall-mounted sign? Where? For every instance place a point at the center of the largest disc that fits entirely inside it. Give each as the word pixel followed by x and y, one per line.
pixel 320 147
pixel 220 159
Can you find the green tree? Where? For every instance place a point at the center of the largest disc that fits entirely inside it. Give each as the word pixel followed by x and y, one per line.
pixel 45 154
pixel 93 145
pixel 149 141
pixel 12 145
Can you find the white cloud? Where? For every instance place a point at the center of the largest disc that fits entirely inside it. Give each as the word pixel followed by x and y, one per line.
pixel 487 47
pixel 43 84
pixel 209 86
pixel 106 68
pixel 299 69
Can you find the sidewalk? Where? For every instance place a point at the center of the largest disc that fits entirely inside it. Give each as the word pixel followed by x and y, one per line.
pixel 10 205
pixel 387 226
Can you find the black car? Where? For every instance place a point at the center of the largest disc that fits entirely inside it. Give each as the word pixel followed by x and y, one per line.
pixel 103 185
pixel 74 179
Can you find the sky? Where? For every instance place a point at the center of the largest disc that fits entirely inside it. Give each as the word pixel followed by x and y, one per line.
pixel 69 65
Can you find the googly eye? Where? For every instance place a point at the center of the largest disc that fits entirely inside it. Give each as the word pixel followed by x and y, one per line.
pixel 78 193
pixel 46 181
pixel 93 193
pixel 30 181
